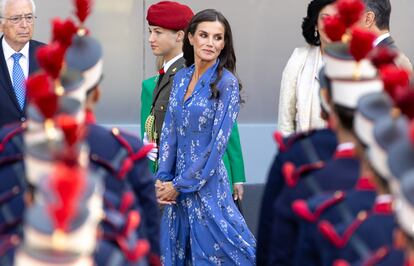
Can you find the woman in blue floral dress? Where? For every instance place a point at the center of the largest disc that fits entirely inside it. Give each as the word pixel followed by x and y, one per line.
pixel 201 224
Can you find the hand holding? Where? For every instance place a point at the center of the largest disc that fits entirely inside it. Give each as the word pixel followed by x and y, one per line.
pixel 238 191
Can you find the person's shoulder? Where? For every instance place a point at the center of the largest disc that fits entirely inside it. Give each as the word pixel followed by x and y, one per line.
pixel 297 60
pixel 228 74
pixel 149 82
pixel 301 52
pixel 36 44
pixel 123 137
pixel 182 72
pixel 228 84
pixel 324 136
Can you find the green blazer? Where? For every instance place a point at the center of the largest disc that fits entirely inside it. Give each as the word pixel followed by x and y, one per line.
pixel 233 157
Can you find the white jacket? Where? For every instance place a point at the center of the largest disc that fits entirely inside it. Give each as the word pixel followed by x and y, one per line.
pixel 299 107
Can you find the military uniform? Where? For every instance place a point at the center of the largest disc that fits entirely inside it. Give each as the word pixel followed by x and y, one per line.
pixel 321 145
pixel 12 190
pixel 353 241
pixel 123 164
pixel 160 100
pixel 117 157
pixel 13 184
pixel 341 172
pixel 337 207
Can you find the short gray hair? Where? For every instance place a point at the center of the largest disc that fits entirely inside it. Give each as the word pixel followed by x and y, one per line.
pixel 3 4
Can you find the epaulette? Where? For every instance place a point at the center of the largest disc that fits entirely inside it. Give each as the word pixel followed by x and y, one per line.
pixel 292 174
pixel 302 209
pixel 11 134
pixel 133 156
pixel 285 143
pixel 329 232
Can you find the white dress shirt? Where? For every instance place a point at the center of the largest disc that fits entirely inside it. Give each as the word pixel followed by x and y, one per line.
pixel 24 60
pixel 172 61
pixel 381 38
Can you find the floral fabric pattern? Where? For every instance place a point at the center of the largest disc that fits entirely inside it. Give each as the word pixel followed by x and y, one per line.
pixel 204 227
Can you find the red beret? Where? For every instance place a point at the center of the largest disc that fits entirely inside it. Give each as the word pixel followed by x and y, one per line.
pixel 169 15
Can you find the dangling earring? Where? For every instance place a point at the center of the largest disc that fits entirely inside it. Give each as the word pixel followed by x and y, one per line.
pixel 316 34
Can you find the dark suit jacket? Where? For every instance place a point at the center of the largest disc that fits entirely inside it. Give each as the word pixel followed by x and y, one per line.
pixel 9 107
pixel 161 95
pixel 388 42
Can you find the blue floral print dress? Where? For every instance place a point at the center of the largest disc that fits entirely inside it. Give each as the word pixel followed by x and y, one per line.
pixel 204 227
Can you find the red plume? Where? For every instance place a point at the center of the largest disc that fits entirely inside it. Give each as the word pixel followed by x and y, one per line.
pixel 404 100
pixel 50 58
pixel 63 31
pixel 334 28
pixel 394 78
pixel 362 43
pixel 350 11
pixel 72 130
pixel 83 9
pixel 67 183
pixel 382 56
pixel 40 92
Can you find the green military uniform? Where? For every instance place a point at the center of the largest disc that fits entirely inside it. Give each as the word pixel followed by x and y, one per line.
pixel 233 158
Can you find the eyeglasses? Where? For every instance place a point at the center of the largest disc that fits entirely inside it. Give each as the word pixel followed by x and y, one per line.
pixel 17 19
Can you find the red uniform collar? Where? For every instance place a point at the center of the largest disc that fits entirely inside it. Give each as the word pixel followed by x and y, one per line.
pixel 345 150
pixel 383 204
pixel 365 183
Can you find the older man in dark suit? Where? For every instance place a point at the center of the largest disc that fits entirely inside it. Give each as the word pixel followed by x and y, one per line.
pixel 376 19
pixel 17 57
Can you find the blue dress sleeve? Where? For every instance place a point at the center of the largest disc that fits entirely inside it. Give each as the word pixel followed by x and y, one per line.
pixel 168 142
pixel 198 174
